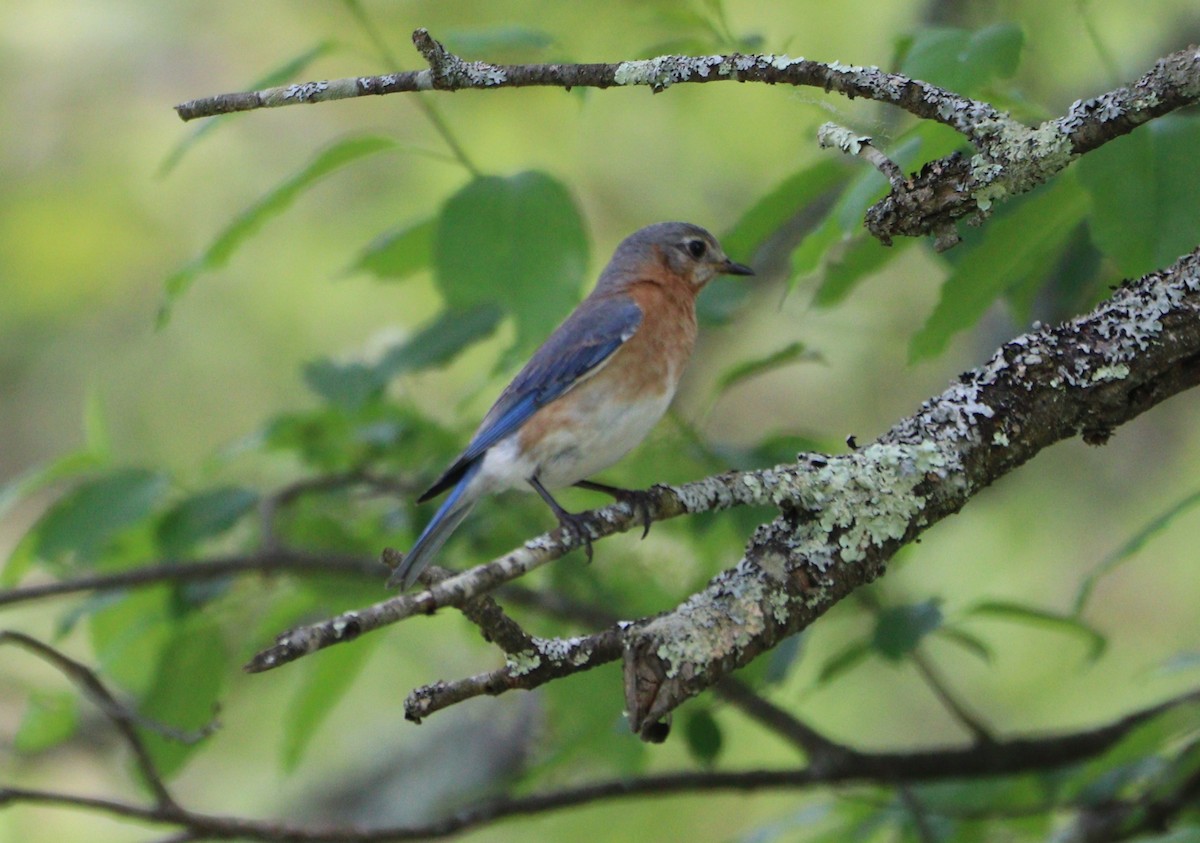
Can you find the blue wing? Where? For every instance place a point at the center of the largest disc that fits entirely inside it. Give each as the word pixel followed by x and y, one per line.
pixel 579 346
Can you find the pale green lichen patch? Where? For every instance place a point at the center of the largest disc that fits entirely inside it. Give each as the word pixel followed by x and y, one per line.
pixel 523 662
pixel 722 620
pixel 869 497
pixel 833 135
pixel 1110 373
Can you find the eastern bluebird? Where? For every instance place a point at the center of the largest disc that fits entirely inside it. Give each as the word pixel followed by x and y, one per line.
pixel 592 391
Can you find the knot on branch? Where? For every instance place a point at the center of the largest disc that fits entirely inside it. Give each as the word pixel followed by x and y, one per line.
pixel 450 72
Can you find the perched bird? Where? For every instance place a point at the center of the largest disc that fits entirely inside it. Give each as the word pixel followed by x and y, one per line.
pixel 592 391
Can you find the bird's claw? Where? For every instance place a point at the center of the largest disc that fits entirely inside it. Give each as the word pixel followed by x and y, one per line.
pixel 637 500
pixel 576 526
pixel 639 503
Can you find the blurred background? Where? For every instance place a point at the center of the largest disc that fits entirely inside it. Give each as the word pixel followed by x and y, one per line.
pixel 94 217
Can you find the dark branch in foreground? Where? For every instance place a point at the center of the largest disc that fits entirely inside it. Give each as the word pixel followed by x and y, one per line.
pixel 1000 758
pixel 1011 158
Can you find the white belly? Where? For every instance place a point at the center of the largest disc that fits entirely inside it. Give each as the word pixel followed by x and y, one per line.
pixel 599 434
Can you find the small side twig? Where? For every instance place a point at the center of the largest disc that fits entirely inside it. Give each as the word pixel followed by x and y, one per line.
pixel 833 135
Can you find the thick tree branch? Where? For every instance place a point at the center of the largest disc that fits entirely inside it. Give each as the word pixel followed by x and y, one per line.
pixel 841 517
pixel 1010 158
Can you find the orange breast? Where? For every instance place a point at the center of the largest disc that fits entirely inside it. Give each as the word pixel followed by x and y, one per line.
pixel 654 357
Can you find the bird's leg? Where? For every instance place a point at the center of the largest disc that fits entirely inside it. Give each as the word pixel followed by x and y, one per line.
pixel 572 523
pixel 638 501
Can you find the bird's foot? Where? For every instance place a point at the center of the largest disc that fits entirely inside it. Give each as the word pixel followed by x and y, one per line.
pixel 576 526
pixel 636 499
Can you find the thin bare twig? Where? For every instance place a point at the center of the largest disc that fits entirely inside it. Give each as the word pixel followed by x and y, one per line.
pixel 277 561
pixel 1000 758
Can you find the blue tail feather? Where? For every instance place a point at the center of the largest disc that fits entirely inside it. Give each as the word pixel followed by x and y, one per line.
pixel 444 522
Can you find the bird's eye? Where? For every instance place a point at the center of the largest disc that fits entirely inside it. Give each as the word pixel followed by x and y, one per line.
pixel 696 248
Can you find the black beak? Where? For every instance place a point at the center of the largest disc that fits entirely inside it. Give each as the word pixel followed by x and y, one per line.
pixel 731 268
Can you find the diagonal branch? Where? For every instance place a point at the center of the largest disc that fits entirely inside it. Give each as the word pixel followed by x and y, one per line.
pixel 843 517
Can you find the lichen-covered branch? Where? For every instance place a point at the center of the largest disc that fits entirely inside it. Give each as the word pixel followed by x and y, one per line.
pixel 1012 158
pixel 842 518
pixel 1009 157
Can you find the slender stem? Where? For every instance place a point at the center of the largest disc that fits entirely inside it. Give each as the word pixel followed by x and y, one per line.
pixel 427 108
pixel 958 709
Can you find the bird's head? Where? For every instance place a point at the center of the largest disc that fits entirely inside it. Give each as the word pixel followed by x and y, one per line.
pixel 684 250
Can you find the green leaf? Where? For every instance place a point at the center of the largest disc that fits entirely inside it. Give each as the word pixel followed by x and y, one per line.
pixel 1142 188
pixel 398 254
pixel 1131 547
pixel 518 242
pixel 346 385
pixel 330 675
pixel 703 735
pixel 186 687
pixel 441 340
pixel 1136 755
pixel 1020 613
pixel 859 258
pixel 271 205
pixel 277 76
pixel 807 257
pixel 783 658
pixel 352 386
pixel 80 524
pixel 50 719
pixel 962 61
pixel 1017 243
pixel 21 487
pixel 203 516
pixel 494 43
pixel 766 216
pixel 844 660
pixel 795 352
pixel 899 629
pixel 129 634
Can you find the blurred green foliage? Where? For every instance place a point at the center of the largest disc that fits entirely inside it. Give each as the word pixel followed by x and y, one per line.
pixel 478 270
